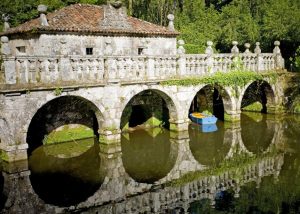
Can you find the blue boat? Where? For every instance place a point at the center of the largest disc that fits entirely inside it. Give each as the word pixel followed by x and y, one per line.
pixel 202 119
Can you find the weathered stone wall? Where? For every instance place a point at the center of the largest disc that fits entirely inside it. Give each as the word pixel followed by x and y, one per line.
pixel 55 45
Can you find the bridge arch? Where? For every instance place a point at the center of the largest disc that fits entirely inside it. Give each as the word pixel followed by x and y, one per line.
pixel 214 98
pixel 147 103
pixel 62 110
pixel 258 91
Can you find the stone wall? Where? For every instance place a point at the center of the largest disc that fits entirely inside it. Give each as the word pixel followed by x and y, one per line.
pixel 56 45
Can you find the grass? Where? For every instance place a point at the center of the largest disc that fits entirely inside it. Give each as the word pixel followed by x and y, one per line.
pixel 68 149
pixel 68 133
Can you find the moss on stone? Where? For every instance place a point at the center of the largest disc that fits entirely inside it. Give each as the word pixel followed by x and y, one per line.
pixel 255 107
pixel 68 149
pixel 68 133
pixel 153 122
pixel 231 118
pixel 4 156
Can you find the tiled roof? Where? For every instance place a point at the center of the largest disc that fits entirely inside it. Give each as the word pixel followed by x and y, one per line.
pixel 86 19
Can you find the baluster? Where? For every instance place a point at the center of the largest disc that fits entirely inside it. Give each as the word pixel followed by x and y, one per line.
pixel 23 73
pixel 100 69
pixel 75 68
pixel 53 75
pixel 32 71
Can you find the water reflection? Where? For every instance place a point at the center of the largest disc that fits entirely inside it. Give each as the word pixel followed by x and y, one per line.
pixel 209 148
pixel 257 131
pixel 154 171
pixel 66 179
pixel 148 155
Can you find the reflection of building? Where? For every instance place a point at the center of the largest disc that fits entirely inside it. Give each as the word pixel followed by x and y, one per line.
pixel 130 196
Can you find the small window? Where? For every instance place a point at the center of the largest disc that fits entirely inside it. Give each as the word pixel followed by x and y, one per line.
pixel 89 51
pixel 21 49
pixel 140 51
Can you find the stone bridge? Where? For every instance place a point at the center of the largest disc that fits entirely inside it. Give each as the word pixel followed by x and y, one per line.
pixel 35 89
pixel 117 184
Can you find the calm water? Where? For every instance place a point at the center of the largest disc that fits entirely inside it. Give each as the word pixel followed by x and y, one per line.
pixel 251 167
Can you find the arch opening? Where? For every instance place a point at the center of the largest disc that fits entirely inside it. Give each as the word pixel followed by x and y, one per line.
pixel 257 97
pixel 149 108
pixel 66 118
pixel 210 99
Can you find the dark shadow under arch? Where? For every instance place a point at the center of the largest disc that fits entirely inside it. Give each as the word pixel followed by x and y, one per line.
pixel 210 98
pixel 259 91
pixel 58 112
pixel 148 104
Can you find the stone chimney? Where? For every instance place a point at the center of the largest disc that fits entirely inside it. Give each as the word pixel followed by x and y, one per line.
pixel 115 16
pixel 43 18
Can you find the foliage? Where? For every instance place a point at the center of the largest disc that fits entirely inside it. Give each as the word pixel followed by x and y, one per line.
pixel 57 91
pixel 198 21
pixel 233 78
pixel 295 60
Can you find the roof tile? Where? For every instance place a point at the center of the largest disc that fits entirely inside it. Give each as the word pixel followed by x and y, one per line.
pixel 85 18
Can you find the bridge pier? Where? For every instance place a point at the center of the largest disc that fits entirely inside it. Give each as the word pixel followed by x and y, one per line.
pixel 109 135
pixel 232 116
pixel 179 125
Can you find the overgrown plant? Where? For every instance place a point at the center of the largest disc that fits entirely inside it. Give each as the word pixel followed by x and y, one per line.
pixel 233 78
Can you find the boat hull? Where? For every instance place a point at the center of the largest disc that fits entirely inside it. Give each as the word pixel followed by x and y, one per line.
pixel 204 120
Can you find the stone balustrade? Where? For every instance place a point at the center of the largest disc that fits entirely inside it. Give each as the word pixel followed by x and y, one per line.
pixel 39 70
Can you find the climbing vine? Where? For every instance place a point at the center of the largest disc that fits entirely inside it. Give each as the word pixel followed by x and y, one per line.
pixel 233 78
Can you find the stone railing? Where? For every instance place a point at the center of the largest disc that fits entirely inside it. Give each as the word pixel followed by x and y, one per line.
pixel 41 70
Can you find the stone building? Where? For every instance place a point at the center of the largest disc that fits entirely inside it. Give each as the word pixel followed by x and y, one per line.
pixel 86 30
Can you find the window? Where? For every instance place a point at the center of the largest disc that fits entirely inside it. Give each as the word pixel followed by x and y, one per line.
pixel 89 51
pixel 21 49
pixel 140 51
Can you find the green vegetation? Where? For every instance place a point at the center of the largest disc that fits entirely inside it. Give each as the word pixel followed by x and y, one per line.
pixel 57 91
pixel 3 156
pixel 295 60
pixel 221 21
pixel 68 133
pixel 234 78
pixel 69 149
pixel 255 107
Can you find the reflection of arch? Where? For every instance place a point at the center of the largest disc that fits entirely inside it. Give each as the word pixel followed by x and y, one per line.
pixel 257 133
pixel 214 98
pixel 260 91
pixel 208 149
pixel 147 97
pixel 61 111
pixel 65 181
pixel 147 159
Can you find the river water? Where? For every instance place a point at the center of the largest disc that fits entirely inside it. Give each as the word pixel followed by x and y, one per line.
pixel 250 167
